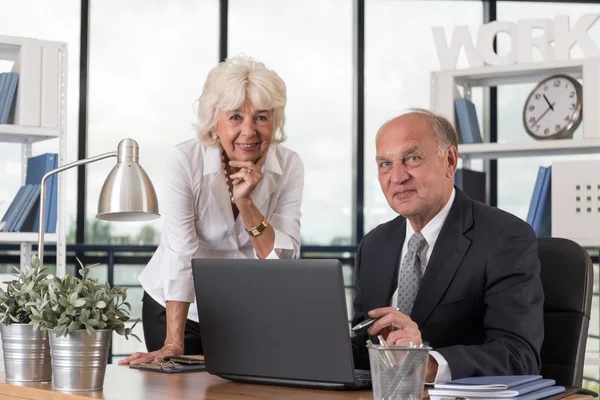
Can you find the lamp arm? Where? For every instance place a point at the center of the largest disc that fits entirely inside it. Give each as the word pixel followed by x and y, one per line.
pixel 43 194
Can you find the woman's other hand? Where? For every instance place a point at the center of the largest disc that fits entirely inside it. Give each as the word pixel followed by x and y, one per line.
pixel 154 356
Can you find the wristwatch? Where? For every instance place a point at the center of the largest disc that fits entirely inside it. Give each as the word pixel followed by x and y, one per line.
pixel 258 229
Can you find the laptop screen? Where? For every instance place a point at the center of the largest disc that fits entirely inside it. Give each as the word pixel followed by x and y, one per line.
pixel 284 319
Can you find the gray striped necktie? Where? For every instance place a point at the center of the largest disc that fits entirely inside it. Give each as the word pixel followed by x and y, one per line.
pixel 411 271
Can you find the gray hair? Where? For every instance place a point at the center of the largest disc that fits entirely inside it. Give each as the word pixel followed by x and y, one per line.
pixel 230 84
pixel 443 130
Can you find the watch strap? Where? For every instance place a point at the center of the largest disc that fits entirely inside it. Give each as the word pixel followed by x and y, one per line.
pixel 258 229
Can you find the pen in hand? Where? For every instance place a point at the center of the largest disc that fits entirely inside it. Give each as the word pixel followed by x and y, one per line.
pixel 366 323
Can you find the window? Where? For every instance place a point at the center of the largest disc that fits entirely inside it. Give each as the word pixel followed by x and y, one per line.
pixel 148 62
pixel 309 44
pixel 400 56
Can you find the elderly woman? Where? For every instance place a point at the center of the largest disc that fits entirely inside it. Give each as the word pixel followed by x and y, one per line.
pixel 234 192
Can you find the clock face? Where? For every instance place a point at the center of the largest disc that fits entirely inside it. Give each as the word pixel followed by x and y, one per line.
pixel 553 109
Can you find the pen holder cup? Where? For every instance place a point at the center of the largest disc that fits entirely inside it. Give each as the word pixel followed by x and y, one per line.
pixel 398 372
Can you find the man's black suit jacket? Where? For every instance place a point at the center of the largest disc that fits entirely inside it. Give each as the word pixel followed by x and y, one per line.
pixel 480 302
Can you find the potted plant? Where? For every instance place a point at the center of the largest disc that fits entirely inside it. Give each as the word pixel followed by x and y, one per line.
pixel 26 348
pixel 81 315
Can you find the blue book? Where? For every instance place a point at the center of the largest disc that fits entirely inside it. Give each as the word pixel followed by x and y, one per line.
pixel 52 210
pixel 37 167
pixel 25 220
pixel 489 382
pixel 9 96
pixel 535 395
pixel 542 219
pixel 495 390
pixel 3 85
pixel 12 210
pixel 466 118
pixel 19 207
pixel 535 197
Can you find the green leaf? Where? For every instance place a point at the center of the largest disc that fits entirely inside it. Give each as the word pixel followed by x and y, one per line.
pixel 73 326
pixel 92 322
pixel 79 303
pixel 73 297
pixel 101 304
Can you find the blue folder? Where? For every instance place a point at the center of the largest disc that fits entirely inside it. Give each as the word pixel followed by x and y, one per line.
pixel 37 167
pixel 466 117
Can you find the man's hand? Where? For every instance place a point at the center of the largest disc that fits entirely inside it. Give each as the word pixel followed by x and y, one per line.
pixel 155 356
pixel 403 330
pixel 432 368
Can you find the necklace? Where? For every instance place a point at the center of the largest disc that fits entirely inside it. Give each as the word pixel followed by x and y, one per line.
pixel 226 179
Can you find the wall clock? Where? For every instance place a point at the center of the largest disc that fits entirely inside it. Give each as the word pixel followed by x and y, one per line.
pixel 553 109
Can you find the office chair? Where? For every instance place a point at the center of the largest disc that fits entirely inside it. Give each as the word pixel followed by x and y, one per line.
pixel 567 277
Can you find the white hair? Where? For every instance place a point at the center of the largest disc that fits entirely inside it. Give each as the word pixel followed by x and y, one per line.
pixel 230 84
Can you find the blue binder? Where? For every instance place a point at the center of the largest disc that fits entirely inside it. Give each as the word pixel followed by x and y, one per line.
pixel 13 210
pixel 25 220
pixel 535 197
pixel 542 219
pixel 466 116
pixel 20 208
pixel 37 167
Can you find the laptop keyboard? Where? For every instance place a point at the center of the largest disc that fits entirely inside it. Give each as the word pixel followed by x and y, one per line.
pixel 362 374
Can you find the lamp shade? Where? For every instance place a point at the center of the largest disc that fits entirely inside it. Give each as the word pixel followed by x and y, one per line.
pixel 127 193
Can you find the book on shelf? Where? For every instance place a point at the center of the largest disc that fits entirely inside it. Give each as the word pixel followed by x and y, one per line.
pixel 12 212
pixel 8 90
pixel 24 222
pixel 37 167
pixel 539 215
pixel 467 125
pixel 23 213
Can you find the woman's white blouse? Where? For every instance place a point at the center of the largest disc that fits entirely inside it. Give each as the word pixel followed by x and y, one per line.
pixel 198 219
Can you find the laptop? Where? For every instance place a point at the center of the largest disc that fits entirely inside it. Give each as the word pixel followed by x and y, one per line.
pixel 281 322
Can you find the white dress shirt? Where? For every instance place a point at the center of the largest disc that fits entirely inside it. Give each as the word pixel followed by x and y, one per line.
pixel 198 217
pixel 430 232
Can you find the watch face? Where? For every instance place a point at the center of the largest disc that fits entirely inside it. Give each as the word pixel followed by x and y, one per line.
pixel 553 109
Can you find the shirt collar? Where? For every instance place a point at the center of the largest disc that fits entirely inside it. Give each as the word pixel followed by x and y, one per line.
pixel 432 230
pixel 212 160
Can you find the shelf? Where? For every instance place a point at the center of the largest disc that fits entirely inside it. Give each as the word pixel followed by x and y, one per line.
pixel 26 237
pixel 490 151
pixel 516 73
pixel 20 134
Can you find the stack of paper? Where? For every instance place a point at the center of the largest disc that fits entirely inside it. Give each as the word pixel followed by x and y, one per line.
pixel 521 387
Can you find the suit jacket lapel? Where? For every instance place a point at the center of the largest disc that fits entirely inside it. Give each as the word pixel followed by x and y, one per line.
pixel 448 253
pixel 387 264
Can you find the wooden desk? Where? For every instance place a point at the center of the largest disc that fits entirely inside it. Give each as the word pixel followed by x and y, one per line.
pixel 122 382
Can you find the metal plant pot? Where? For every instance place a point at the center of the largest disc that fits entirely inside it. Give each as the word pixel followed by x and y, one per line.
pixel 26 353
pixel 79 360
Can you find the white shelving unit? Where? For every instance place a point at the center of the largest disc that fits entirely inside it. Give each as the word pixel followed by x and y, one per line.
pixel 493 151
pixel 40 114
pixel 443 84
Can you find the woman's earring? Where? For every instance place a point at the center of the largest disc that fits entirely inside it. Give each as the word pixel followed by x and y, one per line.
pixel 214 136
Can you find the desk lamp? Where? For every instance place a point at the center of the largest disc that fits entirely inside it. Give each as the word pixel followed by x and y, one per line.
pixel 127 193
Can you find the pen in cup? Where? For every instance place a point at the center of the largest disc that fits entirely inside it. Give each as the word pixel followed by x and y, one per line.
pixel 387 355
pixel 366 323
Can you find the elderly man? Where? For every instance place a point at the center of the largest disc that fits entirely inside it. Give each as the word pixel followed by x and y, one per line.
pixel 450 271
